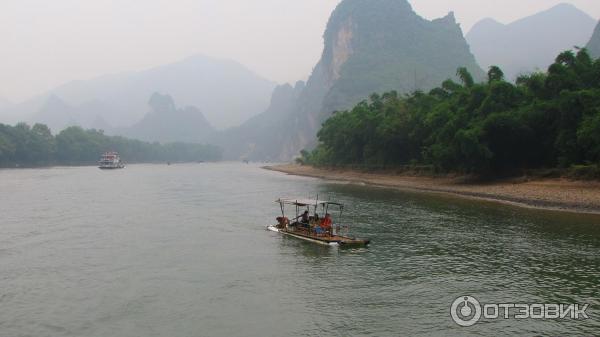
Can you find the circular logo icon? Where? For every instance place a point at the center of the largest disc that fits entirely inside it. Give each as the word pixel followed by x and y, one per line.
pixel 466 311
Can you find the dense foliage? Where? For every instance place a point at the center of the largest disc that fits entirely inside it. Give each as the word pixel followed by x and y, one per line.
pixel 22 145
pixel 545 120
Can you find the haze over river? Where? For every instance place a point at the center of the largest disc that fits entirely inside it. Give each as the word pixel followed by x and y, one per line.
pixel 182 250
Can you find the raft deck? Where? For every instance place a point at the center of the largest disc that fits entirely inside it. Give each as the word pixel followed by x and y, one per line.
pixel 332 240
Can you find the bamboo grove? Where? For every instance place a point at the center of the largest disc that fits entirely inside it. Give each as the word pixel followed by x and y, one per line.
pixel 544 120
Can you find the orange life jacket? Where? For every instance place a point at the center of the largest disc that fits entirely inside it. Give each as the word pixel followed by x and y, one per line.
pixel 326 223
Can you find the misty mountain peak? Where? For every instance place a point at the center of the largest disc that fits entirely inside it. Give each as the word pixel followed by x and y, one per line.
pixel 55 113
pixel 448 22
pixel 370 46
pixel 450 18
pixel 198 58
pixel 366 14
pixel 376 36
pixel 594 45
pixel 563 7
pixel 167 123
pixel 485 25
pixel 160 102
pixel 359 6
pixel 299 86
pixel 54 100
pixel 564 13
pixel 227 92
pixel 204 61
pixel 530 43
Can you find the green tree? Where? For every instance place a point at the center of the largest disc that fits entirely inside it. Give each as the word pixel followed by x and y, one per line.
pixel 466 77
pixel 544 120
pixel 495 74
pixel 23 145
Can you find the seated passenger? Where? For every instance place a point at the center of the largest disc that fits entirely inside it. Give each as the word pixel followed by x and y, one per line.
pixel 325 225
pixel 282 222
pixel 326 222
pixel 304 218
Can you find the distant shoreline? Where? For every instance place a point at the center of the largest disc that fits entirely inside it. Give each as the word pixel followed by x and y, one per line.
pixel 96 164
pixel 547 194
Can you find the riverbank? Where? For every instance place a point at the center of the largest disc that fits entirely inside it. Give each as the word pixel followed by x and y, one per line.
pixel 550 194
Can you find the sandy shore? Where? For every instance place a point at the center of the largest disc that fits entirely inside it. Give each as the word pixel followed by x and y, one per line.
pixel 551 194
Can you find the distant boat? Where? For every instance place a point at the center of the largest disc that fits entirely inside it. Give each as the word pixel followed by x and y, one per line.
pixel 310 228
pixel 110 161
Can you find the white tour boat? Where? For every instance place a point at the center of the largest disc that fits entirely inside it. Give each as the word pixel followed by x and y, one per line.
pixel 110 161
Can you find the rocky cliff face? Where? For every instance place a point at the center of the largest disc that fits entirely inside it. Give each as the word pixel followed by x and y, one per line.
pixel 370 46
pixel 392 48
pixel 594 44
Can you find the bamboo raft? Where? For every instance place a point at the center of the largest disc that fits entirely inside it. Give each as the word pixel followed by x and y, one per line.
pixel 311 230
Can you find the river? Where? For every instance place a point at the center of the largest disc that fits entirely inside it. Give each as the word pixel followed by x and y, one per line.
pixel 182 250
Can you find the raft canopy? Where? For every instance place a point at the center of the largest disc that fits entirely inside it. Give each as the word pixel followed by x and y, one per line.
pixel 306 202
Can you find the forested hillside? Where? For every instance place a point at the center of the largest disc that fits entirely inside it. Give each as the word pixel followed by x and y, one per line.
pixel 25 146
pixel 545 120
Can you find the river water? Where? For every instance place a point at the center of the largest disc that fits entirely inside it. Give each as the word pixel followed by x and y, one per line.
pixel 182 250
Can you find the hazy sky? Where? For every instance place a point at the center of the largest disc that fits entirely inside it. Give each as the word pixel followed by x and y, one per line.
pixel 46 43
